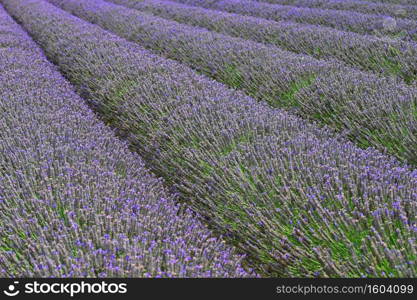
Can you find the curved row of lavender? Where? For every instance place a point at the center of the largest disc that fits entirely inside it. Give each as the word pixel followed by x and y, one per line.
pixel 399 2
pixel 299 200
pixel 349 21
pixel 369 53
pixel 365 7
pixel 74 201
pixel 372 111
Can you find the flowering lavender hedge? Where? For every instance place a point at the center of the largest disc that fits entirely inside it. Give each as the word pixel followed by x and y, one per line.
pixel 299 200
pixel 349 21
pixel 73 200
pixel 400 2
pixel 369 53
pixel 386 9
pixel 372 111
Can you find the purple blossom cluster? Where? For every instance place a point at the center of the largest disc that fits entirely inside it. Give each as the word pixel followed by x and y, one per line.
pixel 343 20
pixel 74 201
pixel 298 199
pixel 366 52
pixel 386 9
pixel 371 110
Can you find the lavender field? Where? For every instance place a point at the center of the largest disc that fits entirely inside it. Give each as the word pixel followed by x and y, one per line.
pixel 208 138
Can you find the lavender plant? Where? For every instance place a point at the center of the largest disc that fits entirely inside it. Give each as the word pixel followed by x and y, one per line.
pixel 369 53
pixel 372 111
pixel 300 200
pixel 74 202
pixel 349 21
pixel 400 2
pixel 367 7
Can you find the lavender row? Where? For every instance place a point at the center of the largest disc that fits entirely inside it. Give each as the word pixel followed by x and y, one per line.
pixel 299 200
pixel 372 111
pixel 74 202
pixel 349 21
pixel 365 7
pixel 368 53
pixel 399 2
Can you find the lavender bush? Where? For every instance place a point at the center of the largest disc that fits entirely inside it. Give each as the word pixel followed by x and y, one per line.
pixel 369 53
pixel 349 21
pixel 385 9
pixel 401 2
pixel 74 202
pixel 372 111
pixel 300 200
